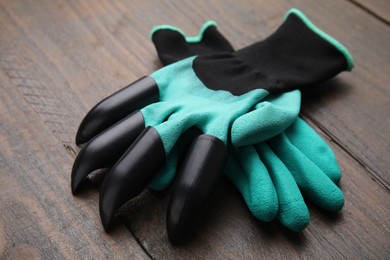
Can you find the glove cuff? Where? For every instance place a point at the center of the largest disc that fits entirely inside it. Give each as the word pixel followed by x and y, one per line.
pixel 173 45
pixel 336 44
pixel 298 54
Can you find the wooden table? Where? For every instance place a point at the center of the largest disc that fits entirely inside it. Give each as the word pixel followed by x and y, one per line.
pixel 58 58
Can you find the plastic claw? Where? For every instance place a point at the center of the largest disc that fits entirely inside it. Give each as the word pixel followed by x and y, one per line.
pixel 117 106
pixel 195 181
pixel 106 148
pixel 131 174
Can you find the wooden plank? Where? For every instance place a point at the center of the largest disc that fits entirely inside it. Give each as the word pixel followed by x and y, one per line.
pixel 40 219
pixel 65 56
pixel 378 8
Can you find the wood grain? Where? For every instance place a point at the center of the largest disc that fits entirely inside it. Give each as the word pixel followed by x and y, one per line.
pixel 39 216
pixel 378 8
pixel 58 58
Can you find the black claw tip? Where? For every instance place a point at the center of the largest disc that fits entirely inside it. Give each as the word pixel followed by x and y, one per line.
pixel 80 170
pixel 76 180
pixel 80 138
pixel 106 213
pixel 106 148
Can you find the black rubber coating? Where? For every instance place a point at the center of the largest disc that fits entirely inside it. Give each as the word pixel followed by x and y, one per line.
pixel 194 183
pixel 117 106
pixel 105 149
pixel 131 174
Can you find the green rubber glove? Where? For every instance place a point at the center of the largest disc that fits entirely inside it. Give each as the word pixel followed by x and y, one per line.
pixel 270 175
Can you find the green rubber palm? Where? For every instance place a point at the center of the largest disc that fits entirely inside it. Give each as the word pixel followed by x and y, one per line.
pixel 271 175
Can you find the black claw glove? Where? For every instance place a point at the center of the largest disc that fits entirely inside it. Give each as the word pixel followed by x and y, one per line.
pixel 215 93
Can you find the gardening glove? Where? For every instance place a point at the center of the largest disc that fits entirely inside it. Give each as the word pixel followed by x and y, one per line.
pixel 296 158
pixel 213 93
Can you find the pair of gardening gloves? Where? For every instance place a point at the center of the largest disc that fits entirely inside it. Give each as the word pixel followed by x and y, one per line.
pixel 214 110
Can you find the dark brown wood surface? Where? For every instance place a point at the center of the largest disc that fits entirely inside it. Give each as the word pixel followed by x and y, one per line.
pixel 378 8
pixel 58 58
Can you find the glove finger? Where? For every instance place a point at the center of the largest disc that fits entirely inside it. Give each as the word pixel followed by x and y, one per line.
pixel 194 183
pixel 248 173
pixel 131 174
pixel 173 45
pixel 304 138
pixel 260 124
pixel 293 212
pixel 117 106
pixel 106 148
pixel 312 181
